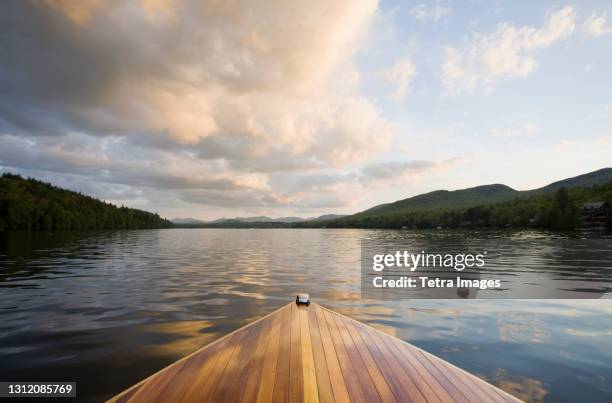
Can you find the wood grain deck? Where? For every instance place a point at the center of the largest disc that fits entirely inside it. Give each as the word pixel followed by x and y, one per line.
pixel 311 354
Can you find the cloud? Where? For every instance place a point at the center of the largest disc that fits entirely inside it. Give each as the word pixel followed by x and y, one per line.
pixel 595 25
pixel 78 12
pixel 519 129
pixel 421 12
pixel 114 165
pixel 204 98
pixel 229 76
pixel 507 52
pixel 348 188
pixel 115 160
pixel 400 170
pixel 401 74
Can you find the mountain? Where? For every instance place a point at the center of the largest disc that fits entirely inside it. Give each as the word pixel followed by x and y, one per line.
pixel 265 219
pixel 442 199
pixel 592 178
pixel 187 221
pixel 288 219
pixel 326 217
pixel 559 210
pixel 481 195
pixel 27 204
pixel 257 219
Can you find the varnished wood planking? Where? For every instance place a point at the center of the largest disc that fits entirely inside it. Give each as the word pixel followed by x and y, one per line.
pixel 424 387
pixel 361 371
pixel 296 381
pixel 190 372
pixel 453 390
pixel 393 371
pixel 383 388
pixel 324 386
pixel 311 354
pixel 237 368
pixel 283 361
pixel 311 390
pixel 333 365
pixel 267 377
pixel 352 383
pixel 410 360
pixel 255 377
pixel 468 384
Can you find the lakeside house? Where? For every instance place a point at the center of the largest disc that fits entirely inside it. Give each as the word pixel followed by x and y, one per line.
pixel 597 215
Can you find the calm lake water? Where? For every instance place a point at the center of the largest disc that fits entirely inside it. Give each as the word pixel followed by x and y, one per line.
pixel 106 309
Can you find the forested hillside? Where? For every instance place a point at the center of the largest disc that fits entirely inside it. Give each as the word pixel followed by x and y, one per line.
pixel 558 210
pixel 447 199
pixel 481 195
pixel 32 204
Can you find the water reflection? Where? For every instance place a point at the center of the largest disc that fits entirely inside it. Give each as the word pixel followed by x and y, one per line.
pixel 527 389
pixel 108 308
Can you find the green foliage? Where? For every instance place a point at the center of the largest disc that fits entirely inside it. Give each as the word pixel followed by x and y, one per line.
pixel 445 199
pixel 29 204
pixel 481 195
pixel 559 210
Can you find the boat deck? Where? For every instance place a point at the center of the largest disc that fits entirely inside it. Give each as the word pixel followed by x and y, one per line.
pixel 311 354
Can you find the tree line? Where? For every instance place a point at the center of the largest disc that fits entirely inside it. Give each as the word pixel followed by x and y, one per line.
pixel 29 204
pixel 559 210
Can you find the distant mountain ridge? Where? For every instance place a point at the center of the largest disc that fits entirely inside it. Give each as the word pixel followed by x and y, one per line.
pixel 254 219
pixel 259 219
pixel 480 195
pixel 327 217
pixel 186 221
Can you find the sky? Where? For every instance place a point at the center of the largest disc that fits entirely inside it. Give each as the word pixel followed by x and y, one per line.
pixel 209 109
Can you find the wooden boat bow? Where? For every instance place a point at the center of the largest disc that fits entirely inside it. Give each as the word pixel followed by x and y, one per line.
pixel 308 353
